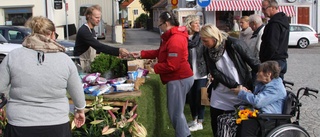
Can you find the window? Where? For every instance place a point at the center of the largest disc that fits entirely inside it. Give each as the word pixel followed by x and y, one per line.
pixel 224 20
pixel 135 12
pixel 15 35
pixel 303 28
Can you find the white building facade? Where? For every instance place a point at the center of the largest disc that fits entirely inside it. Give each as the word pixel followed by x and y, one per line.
pixel 16 12
pixel 223 12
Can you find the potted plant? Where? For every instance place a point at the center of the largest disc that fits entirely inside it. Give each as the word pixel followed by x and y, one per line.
pixel 109 66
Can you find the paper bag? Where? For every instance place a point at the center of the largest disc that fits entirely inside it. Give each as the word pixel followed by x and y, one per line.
pixel 204 97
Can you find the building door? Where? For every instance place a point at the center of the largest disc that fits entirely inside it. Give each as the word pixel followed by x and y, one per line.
pixel 303 15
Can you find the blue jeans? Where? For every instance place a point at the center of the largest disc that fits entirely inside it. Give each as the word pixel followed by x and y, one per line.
pixel 283 67
pixel 197 110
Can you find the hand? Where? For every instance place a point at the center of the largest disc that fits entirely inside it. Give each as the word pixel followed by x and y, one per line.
pixel 238 89
pixel 123 53
pixel 136 54
pixel 79 118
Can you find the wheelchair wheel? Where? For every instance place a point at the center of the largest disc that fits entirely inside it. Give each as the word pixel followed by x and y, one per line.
pixel 288 130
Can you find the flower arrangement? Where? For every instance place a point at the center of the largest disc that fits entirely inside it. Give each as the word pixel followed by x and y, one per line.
pixel 104 120
pixel 245 112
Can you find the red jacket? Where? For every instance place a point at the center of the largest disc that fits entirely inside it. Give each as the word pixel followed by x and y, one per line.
pixel 172 55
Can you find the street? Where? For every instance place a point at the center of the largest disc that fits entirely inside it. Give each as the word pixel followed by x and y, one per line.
pixel 303 70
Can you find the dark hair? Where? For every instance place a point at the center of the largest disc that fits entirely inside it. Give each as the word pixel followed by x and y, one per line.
pixel 270 66
pixel 169 17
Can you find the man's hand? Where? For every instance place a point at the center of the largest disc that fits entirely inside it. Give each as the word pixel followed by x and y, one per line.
pixel 123 53
pixel 79 118
pixel 136 54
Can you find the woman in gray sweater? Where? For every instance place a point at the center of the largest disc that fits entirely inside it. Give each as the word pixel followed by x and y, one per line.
pixel 39 76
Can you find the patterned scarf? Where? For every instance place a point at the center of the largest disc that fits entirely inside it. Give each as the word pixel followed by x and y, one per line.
pixel 216 53
pixel 42 44
pixel 194 42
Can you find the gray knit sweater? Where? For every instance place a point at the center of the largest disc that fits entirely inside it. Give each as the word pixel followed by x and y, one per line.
pixel 38 91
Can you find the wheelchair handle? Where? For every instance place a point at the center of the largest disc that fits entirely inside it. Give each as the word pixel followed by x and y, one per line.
pixel 285 82
pixel 311 89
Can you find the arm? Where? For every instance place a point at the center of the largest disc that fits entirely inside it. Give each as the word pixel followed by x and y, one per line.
pixel 87 37
pixel 267 96
pixel 75 90
pixel 5 74
pixel 246 55
pixel 149 54
pixel 175 54
pixel 74 87
pixel 218 76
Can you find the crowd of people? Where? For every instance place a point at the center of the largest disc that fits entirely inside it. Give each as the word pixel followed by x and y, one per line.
pixel 247 69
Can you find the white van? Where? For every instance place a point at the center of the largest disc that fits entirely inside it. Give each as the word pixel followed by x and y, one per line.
pixel 100 29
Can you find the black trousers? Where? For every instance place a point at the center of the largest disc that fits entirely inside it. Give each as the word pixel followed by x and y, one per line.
pixel 62 130
pixel 248 128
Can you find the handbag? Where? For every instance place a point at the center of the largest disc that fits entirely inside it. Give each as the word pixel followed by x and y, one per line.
pixel 204 96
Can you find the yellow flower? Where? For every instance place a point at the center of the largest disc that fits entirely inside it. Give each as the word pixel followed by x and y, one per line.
pixel 244 114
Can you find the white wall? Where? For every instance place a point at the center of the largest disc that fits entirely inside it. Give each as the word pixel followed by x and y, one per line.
pixel 43 8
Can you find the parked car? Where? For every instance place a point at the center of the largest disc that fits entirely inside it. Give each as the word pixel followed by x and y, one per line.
pixel 16 34
pixel 302 35
pixel 6 47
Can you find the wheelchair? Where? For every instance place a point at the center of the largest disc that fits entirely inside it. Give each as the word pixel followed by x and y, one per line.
pixel 287 123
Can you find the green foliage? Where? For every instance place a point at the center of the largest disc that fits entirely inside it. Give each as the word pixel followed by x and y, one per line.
pixel 142 19
pixel 104 63
pixel 147 4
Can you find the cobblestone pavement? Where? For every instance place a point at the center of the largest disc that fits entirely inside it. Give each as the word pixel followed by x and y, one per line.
pixel 303 70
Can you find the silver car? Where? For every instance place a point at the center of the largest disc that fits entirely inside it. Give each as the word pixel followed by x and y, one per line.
pixel 6 47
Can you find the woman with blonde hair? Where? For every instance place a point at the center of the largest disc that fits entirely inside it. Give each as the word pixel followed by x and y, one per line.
pixel 246 30
pixel 40 74
pixel 227 62
pixel 199 68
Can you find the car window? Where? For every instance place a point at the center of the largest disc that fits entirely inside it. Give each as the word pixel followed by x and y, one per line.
pixel 2 32
pixel 294 28
pixel 15 35
pixel 2 39
pixel 304 28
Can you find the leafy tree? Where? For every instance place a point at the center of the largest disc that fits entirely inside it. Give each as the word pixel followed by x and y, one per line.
pixel 147 4
pixel 142 19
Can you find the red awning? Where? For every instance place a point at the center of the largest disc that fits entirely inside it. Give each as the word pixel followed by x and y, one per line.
pixel 234 5
pixel 289 10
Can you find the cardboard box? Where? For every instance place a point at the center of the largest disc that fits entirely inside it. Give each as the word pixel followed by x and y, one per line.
pixel 138 62
pixel 132 67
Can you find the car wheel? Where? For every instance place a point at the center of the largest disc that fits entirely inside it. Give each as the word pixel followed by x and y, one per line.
pixel 303 43
pixel 2 57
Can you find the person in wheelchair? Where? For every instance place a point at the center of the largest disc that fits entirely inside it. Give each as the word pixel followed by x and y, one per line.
pixel 268 96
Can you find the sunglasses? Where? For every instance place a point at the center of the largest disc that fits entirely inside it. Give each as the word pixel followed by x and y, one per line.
pixel 57 35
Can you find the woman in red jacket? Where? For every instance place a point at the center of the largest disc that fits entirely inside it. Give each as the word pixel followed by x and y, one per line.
pixel 173 68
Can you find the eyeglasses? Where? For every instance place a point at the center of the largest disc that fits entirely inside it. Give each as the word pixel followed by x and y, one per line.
pixel 265 8
pixel 161 24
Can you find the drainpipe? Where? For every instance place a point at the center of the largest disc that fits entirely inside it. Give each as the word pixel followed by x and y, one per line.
pixel 113 27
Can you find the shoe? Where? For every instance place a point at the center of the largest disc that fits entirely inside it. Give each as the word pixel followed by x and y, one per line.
pixel 192 123
pixel 196 127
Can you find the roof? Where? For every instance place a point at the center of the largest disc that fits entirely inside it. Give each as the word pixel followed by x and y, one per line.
pixel 125 3
pixel 160 4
